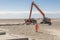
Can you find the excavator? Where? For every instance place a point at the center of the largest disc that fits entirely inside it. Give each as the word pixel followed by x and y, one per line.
pixel 44 20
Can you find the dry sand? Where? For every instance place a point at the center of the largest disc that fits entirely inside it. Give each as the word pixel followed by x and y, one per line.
pixel 45 31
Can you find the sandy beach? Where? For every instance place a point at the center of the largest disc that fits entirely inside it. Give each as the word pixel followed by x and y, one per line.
pixel 45 31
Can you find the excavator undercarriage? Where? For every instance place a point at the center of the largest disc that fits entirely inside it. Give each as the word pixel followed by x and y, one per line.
pixel 33 21
pixel 46 21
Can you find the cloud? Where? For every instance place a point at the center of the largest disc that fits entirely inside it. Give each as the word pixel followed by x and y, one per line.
pixel 34 12
pixel 52 12
pixel 25 14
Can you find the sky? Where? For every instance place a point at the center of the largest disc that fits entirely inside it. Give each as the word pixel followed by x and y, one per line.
pixel 11 9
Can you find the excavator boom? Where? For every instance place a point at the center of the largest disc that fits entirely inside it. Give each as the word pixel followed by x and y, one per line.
pixel 33 4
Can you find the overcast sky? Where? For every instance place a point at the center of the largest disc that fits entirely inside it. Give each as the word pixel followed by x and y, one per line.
pixel 20 8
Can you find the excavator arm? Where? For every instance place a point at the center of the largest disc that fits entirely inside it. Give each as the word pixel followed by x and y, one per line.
pixel 33 4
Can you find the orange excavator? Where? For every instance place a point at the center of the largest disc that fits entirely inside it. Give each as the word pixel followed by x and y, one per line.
pixel 44 21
